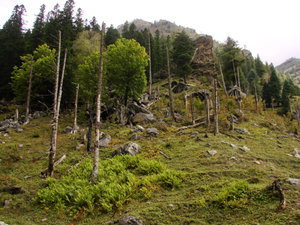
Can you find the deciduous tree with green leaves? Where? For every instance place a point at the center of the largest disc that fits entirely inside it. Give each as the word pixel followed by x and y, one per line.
pixel 125 62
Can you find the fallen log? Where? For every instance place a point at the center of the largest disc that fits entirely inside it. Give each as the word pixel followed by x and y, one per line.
pixel 163 154
pixel 191 126
pixel 44 172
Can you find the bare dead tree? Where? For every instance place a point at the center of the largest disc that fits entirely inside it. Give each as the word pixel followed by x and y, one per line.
pixel 216 131
pixel 298 115
pixel 61 84
pixel 170 90
pixel 28 93
pixel 256 98
pixel 55 115
pixel 234 72
pixel 223 81
pixel 207 115
pixel 16 117
pixel 75 110
pixel 150 72
pixel 98 110
pixel 192 108
pixel 238 77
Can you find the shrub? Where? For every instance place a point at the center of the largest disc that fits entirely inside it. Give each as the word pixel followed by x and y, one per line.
pixel 119 179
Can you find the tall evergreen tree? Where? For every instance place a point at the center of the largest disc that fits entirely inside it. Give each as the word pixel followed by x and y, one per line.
pixel 183 50
pixel 272 89
pixel 288 91
pixel 157 53
pixel 38 31
pixel 12 46
pixel 111 36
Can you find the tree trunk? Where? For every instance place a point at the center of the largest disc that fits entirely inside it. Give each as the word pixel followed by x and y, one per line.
pixel 192 108
pixel 207 115
pixel 61 84
pixel 54 122
pixel 234 72
pixel 150 72
pixel 256 98
pixel 170 87
pixel 239 82
pixel 216 108
pixel 16 117
pixel 89 134
pixel 98 110
pixel 298 115
pixel 185 101
pixel 223 81
pixel 28 93
pixel 272 103
pixel 75 110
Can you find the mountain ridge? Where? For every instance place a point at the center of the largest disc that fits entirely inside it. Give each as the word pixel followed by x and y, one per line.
pixel 291 67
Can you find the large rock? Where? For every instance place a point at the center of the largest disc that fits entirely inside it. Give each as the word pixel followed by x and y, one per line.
pixel 296 153
pixel 138 108
pixel 104 140
pixel 143 118
pixel 179 88
pixel 203 62
pixel 68 129
pixel 137 128
pixel 130 220
pixel 130 148
pixel 294 181
pixel 152 131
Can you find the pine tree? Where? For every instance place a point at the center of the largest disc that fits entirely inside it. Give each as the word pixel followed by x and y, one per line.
pixel 288 91
pixel 38 31
pixel 111 36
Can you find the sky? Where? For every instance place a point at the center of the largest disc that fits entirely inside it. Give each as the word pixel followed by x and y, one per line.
pixel 268 28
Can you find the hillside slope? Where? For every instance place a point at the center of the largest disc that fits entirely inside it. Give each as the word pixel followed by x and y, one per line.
pixel 165 27
pixel 291 67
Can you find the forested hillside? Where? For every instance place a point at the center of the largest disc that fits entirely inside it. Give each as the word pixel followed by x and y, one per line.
pixel 291 67
pixel 142 124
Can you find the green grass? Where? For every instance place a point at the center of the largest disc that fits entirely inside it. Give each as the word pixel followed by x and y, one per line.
pixel 215 190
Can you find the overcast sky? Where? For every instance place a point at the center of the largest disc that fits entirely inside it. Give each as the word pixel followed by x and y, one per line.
pixel 269 28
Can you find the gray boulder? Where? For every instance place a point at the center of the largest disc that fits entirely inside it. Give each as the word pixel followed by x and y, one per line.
pixel 130 148
pixel 137 128
pixel 143 118
pixel 104 140
pixel 130 220
pixel 68 129
pixel 210 153
pixel 19 130
pixel 152 131
pixel 135 137
pixel 294 181
pixel 296 153
pixel 242 131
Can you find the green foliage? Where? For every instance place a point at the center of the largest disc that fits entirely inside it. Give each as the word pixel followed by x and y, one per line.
pixel 182 53
pixel 234 195
pixel 125 62
pixel 272 89
pixel 119 180
pixel 42 75
pixel 112 35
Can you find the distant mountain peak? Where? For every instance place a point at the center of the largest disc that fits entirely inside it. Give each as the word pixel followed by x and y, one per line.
pixel 165 27
pixel 291 67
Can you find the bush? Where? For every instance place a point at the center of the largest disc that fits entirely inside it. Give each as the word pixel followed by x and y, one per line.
pixel 119 179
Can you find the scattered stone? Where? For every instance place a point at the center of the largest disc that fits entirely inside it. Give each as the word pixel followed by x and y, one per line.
pixel 233 146
pixel 181 133
pixel 257 162
pixel 254 124
pixel 104 140
pixel 44 219
pixel 2 223
pixel 19 130
pixel 137 128
pixel 130 148
pixel 6 203
pixel 225 142
pixel 242 131
pixel 294 181
pixel 148 203
pixel 130 220
pixel 152 131
pixel 244 148
pixel 233 159
pixel 143 118
pixel 210 153
pixel 171 205
pixel 20 145
pixel 109 222
pixel 78 147
pixel 26 177
pixel 194 133
pixel 68 129
pixel 266 132
pixel 36 115
pixel 296 153
pixel 135 137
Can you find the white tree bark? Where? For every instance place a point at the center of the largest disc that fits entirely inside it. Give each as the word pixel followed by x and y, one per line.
pixel 98 110
pixel 28 94
pixel 216 108
pixel 150 72
pixel 75 110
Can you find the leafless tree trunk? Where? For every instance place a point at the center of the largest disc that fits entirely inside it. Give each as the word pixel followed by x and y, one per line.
pixel 256 98
pixel 223 81
pixel 192 108
pixel 239 82
pixel 207 115
pixel 185 101
pixel 16 118
pixel 216 108
pixel 61 84
pixel 234 72
pixel 98 110
pixel 28 93
pixel 170 87
pixel 298 115
pixel 55 115
pixel 150 72
pixel 75 110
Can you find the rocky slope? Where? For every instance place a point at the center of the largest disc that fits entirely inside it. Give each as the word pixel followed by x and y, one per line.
pixel 291 67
